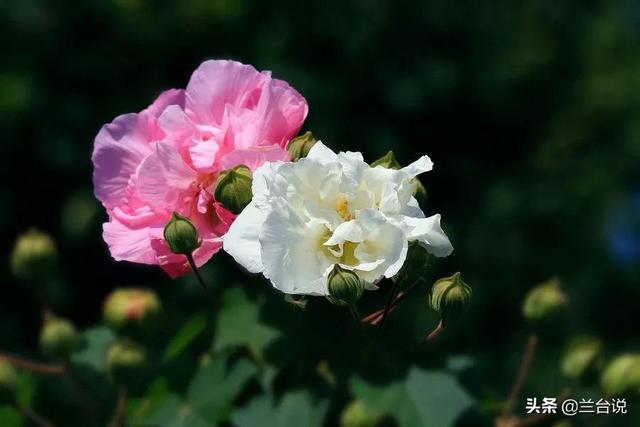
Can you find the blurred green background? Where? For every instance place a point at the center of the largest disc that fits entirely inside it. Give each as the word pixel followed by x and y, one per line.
pixel 529 110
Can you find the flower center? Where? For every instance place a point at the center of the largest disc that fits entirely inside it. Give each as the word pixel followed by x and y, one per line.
pixel 342 207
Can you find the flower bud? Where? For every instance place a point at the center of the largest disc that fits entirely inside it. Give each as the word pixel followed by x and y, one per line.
pixel 181 235
pixel 345 286
pixel 581 358
pixel 387 161
pixel 58 338
pixel 34 256
pixel 233 188
pixel 622 375
pixel 125 360
pixel 300 146
pixel 415 264
pixel 356 415
pixel 8 381
pixel 544 301
pixel 450 296
pixel 131 310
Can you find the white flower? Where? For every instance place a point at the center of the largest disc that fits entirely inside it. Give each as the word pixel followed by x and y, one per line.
pixel 328 209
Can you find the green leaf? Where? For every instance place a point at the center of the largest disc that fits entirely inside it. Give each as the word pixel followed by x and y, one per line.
pixel 423 398
pixel 238 323
pixel 215 386
pixel 10 417
pixel 93 349
pixel 189 332
pixel 172 412
pixel 297 408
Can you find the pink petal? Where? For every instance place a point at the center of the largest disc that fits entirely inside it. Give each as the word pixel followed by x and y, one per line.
pixel 218 83
pixel 203 155
pixel 166 98
pixel 129 244
pixel 254 158
pixel 119 148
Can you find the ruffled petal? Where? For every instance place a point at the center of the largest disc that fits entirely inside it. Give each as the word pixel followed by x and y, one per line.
pixel 242 241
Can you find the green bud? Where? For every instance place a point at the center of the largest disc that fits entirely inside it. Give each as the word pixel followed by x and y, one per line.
pixel 125 360
pixel 181 235
pixel 450 296
pixel 415 264
pixel 581 358
pixel 356 415
pixel 233 188
pixel 622 375
pixel 544 301
pixel 387 161
pixel 345 286
pixel 34 256
pixel 8 376
pixel 58 338
pixel 420 192
pixel 131 310
pixel 300 146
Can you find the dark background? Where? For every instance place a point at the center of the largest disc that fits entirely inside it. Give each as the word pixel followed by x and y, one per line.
pixel 529 110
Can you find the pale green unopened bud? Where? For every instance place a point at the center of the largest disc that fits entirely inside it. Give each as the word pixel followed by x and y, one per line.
pixel 131 310
pixel 387 161
pixel 125 360
pixel 58 338
pixel 581 358
pixel 622 375
pixel 34 256
pixel 544 301
pixel 345 287
pixel 450 296
pixel 8 381
pixel 181 235
pixel 233 188
pixel 356 415
pixel 300 146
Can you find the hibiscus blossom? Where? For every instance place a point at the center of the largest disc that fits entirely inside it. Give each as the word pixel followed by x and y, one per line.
pixel 167 158
pixel 331 209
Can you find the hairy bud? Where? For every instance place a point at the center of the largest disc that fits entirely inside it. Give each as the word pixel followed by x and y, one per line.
pixel 622 375
pixel 581 359
pixel 58 338
pixel 300 146
pixel 345 286
pixel 450 296
pixel 34 256
pixel 544 301
pixel 233 188
pixel 181 235
pixel 125 360
pixel 131 310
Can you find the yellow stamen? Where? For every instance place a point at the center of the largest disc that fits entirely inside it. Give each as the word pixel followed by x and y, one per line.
pixel 342 207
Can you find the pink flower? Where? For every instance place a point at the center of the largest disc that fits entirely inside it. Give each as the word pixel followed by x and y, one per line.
pixel 167 158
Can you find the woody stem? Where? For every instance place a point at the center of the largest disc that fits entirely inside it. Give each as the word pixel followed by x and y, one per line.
pixel 523 373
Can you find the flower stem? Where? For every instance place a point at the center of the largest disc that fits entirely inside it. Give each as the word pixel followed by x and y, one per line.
pixel 192 263
pixel 436 332
pixel 387 308
pixel 375 317
pixel 523 373
pixel 354 312
pixel 117 420
pixel 35 418
pixel 29 365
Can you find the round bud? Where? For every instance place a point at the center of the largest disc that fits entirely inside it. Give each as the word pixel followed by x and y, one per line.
pixel 356 415
pixel 580 360
pixel 8 381
pixel 233 188
pixel 300 146
pixel 125 360
pixel 131 310
pixel 450 296
pixel 544 301
pixel 181 235
pixel 34 256
pixel 58 338
pixel 622 375
pixel 345 286
pixel 387 161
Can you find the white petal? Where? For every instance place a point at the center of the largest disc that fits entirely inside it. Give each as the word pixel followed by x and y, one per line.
pixel 242 240
pixel 423 164
pixel 292 255
pixel 322 154
pixel 429 233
